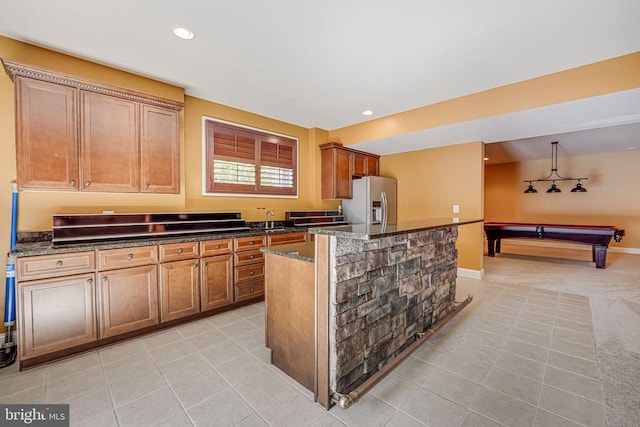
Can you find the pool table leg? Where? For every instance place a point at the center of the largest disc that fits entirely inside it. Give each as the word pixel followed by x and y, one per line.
pixel 599 255
pixel 491 244
pixel 498 245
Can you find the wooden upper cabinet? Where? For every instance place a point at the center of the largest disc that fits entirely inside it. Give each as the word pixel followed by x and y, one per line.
pixel 159 150
pixel 359 165
pixel 46 135
pixel 109 144
pixel 373 165
pixel 336 174
pixel 340 165
pixel 78 134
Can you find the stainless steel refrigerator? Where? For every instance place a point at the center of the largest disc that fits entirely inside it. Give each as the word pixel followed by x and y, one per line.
pixel 373 202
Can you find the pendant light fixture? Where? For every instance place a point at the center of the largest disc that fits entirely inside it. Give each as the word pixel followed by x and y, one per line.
pixel 553 176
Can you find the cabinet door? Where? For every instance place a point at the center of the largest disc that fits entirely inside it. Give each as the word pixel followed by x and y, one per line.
pixel 343 174
pixel 159 150
pixel 46 135
pixel 337 170
pixel 373 165
pixel 127 299
pixel 359 165
pixel 56 314
pixel 109 144
pixel 216 284
pixel 179 289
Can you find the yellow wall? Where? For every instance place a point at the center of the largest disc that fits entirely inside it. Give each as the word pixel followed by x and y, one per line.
pixel 431 181
pixel 611 198
pixel 308 164
pixel 37 207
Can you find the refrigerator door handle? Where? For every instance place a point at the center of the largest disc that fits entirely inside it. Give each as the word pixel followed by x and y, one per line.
pixel 383 197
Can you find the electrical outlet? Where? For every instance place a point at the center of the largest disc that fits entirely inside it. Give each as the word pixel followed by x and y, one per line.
pixel 456 208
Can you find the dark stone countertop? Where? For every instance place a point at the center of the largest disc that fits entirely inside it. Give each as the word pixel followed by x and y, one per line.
pixel 303 251
pixel 45 247
pixel 376 231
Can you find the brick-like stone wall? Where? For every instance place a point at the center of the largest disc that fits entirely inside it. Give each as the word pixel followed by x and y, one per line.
pixel 384 292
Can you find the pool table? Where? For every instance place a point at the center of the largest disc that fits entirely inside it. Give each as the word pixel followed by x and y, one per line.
pixel 595 235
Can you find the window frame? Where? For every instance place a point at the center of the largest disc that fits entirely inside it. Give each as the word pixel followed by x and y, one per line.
pixel 258 190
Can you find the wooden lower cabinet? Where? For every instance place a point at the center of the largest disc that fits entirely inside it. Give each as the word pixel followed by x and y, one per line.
pixel 249 290
pixel 127 299
pixel 179 289
pixel 56 314
pixel 216 283
pixel 280 239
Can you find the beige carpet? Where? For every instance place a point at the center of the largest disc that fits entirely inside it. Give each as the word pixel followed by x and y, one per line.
pixel 614 295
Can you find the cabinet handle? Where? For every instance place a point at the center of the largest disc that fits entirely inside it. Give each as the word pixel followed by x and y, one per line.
pixel 105 279
pixel 251 289
pixel 87 183
pixel 251 273
pixel 72 183
pixel 130 256
pixel 180 251
pixel 217 246
pixel 90 282
pixel 251 242
pixel 195 265
pixel 206 263
pixel 146 186
pixel 251 256
pixel 59 264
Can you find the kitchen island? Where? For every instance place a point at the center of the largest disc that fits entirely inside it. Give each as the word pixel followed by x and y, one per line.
pixel 375 290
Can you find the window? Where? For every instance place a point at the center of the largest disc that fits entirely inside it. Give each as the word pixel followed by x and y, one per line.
pixel 249 161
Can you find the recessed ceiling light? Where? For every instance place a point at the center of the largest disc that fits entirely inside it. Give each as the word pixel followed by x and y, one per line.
pixel 486 158
pixel 183 33
pixel 367 113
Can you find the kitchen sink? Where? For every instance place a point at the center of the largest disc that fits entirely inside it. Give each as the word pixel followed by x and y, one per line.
pixel 273 230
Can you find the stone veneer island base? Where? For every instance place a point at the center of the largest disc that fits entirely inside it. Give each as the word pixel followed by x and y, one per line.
pixel 376 291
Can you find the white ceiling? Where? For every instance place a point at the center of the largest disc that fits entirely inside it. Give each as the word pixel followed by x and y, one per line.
pixel 321 63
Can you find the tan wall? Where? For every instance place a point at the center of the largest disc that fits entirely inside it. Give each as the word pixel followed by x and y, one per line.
pixel 37 207
pixel 308 164
pixel 600 78
pixel 437 178
pixel 611 198
pixel 431 181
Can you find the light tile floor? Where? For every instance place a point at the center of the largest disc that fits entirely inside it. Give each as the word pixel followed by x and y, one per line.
pixel 518 355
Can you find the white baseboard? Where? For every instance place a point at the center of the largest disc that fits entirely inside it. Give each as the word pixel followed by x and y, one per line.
pixel 472 274
pixel 577 246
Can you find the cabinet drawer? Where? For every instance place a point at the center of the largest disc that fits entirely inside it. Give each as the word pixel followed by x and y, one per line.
pixel 216 247
pixel 249 257
pixel 178 251
pixel 279 239
pixel 44 266
pixel 249 272
pixel 249 290
pixel 110 259
pixel 250 243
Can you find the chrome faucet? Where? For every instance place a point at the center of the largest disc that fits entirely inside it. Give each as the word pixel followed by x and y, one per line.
pixel 266 219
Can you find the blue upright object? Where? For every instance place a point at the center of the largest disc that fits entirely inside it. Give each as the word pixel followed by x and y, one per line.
pixel 10 294
pixel 8 347
pixel 14 217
